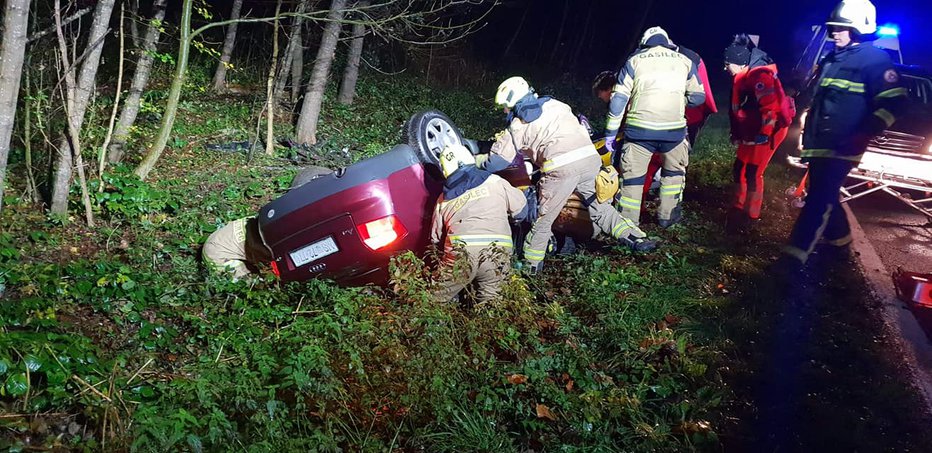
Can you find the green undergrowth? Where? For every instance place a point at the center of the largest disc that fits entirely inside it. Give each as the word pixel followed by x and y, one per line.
pixel 115 337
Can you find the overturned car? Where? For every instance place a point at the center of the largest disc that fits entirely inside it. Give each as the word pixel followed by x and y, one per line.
pixel 346 225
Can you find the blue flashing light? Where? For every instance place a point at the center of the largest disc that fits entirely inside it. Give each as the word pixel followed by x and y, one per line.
pixel 888 31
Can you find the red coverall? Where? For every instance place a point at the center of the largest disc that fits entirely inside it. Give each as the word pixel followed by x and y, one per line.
pixel 757 98
pixel 695 118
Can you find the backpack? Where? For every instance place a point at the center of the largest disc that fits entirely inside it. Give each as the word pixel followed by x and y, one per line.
pixel 787 105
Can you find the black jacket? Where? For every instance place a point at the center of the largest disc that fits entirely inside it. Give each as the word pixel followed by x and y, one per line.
pixel 858 96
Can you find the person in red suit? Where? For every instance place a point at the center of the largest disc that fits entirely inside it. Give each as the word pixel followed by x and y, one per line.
pixel 760 114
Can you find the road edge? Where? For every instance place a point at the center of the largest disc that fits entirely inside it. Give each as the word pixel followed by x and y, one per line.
pixel 897 318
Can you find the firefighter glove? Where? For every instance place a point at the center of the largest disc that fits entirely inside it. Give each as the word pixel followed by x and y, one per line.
pixel 481 159
pixel 610 143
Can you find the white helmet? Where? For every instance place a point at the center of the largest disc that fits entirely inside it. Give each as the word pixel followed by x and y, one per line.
pixel 857 14
pixel 453 157
pixel 654 31
pixel 512 90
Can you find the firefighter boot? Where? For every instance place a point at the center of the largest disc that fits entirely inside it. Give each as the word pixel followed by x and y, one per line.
pixel 639 244
pixel 675 217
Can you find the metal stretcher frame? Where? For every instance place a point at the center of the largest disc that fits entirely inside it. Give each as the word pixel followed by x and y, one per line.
pixel 886 171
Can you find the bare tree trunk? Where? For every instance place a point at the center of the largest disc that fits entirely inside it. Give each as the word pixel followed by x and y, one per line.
pixel 270 83
pixel 294 46
pixel 134 24
pixel 27 145
pixel 12 54
pixel 306 130
pixel 174 94
pixel 83 88
pixel 101 155
pixel 138 85
pixel 220 76
pixel 351 74
pixel 297 67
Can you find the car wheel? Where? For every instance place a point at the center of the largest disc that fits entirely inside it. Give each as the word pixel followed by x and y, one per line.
pixel 308 174
pixel 428 133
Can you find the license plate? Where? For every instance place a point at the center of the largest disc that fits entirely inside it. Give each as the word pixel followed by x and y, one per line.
pixel 314 251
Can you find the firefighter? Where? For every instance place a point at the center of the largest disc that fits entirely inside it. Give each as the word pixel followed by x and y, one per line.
pixel 695 116
pixel 236 248
pixel 660 83
pixel 471 224
pixel 760 113
pixel 548 133
pixel 858 95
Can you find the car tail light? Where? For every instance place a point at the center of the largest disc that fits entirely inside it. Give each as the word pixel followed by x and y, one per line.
pixel 275 270
pixel 382 232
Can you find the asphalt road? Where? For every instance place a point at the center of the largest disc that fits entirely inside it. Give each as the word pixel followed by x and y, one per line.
pixel 901 237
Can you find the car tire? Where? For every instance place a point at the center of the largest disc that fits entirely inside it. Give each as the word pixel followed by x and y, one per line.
pixel 428 133
pixel 308 174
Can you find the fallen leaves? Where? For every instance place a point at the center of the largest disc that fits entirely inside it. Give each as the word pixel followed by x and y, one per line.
pixel 516 379
pixel 544 412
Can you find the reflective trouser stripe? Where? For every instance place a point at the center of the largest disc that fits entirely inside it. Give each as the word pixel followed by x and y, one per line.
pixel 831 153
pixel 623 227
pixel 797 253
pixel 823 215
pixel 500 240
pixel 671 190
pixel 892 93
pixel 885 116
pixel 629 203
pixel 840 242
pixel 569 157
pixel 634 163
pixel 533 255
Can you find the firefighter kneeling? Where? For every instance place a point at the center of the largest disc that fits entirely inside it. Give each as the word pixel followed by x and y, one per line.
pixel 471 224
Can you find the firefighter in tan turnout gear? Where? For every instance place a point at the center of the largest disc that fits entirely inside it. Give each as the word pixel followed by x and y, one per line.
pixel 655 85
pixel 236 248
pixel 471 218
pixel 548 133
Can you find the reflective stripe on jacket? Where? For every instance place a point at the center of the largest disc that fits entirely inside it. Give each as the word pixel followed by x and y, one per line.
pixel 554 133
pixel 857 97
pixel 659 83
pixel 478 218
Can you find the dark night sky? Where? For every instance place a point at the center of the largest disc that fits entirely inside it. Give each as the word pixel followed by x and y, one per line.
pixel 706 26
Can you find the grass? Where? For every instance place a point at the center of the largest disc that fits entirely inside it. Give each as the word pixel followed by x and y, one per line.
pixel 116 337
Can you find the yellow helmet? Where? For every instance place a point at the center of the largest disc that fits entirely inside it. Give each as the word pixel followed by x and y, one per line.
pixel 453 157
pixel 606 184
pixel 511 90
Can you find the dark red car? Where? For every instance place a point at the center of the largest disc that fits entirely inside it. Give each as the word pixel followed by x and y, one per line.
pixel 347 224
